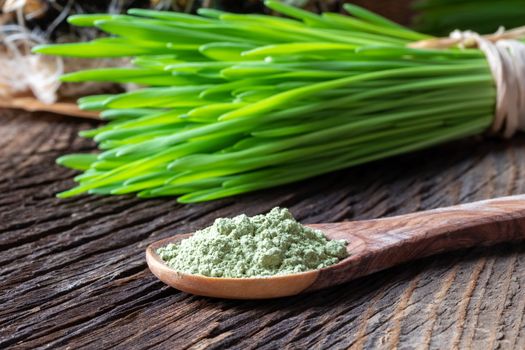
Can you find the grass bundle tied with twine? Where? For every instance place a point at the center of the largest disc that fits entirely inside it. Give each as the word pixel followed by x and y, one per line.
pixel 236 103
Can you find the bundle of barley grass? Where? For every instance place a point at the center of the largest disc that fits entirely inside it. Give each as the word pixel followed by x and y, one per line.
pixel 237 103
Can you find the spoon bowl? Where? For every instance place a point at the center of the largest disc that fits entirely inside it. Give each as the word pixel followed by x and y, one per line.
pixel 224 287
pixel 373 245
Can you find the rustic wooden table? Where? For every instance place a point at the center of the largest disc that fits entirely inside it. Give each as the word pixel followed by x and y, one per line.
pixel 73 273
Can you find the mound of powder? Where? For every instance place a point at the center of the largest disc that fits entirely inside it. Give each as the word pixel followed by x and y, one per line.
pixel 262 245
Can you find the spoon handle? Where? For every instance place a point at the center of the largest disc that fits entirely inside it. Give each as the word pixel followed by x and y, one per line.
pixel 379 244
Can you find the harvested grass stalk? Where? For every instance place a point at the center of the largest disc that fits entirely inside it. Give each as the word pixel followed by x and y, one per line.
pixel 238 103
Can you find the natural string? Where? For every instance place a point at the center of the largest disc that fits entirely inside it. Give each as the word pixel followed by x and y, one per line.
pixel 506 58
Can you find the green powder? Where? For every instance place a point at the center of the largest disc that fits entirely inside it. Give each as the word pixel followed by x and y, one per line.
pixel 262 245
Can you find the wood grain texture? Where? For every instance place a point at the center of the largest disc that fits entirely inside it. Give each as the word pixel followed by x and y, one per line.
pixel 373 245
pixel 31 104
pixel 73 273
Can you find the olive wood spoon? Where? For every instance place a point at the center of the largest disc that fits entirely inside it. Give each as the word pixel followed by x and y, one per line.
pixel 373 245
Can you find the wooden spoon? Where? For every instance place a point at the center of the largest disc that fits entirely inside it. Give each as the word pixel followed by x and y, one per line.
pixel 374 245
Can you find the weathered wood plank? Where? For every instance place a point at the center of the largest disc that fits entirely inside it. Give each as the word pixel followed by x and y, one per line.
pixel 73 272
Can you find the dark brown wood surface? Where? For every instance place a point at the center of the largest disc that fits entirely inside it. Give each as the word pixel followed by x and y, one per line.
pixel 373 245
pixel 73 273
